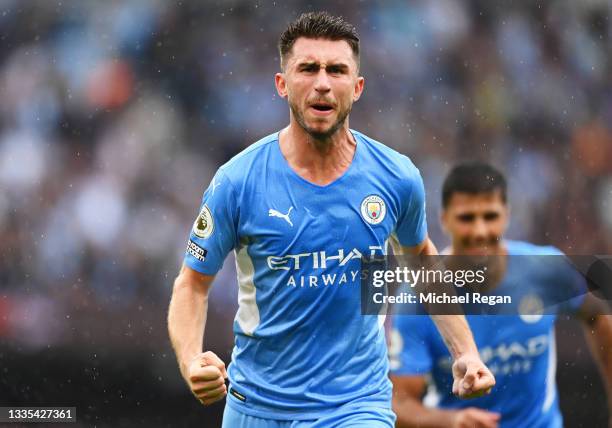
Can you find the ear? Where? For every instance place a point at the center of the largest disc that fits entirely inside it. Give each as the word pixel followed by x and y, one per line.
pixel 443 216
pixel 358 88
pixel 281 84
pixel 507 218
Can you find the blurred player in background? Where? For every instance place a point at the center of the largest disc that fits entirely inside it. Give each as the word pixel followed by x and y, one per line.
pixel 299 208
pixel 520 350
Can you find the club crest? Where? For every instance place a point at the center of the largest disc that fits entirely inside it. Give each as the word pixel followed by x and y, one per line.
pixel 373 209
pixel 531 308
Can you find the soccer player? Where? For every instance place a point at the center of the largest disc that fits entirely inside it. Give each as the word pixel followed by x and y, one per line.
pixel 520 350
pixel 299 208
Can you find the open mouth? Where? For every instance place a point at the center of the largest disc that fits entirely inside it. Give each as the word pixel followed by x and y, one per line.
pixel 322 107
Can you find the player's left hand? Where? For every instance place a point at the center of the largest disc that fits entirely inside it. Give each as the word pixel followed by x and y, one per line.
pixel 206 378
pixel 471 378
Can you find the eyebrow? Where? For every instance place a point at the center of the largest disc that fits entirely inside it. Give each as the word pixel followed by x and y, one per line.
pixel 340 66
pixel 466 216
pixel 470 216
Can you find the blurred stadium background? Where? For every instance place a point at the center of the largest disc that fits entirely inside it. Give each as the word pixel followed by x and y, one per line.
pixel 114 116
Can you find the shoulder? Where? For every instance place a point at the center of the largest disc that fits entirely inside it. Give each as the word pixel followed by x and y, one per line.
pixel 248 160
pixel 378 152
pixel 394 169
pixel 523 248
pixel 536 265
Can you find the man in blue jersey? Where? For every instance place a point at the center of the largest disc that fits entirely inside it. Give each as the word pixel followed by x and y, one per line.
pixel 520 350
pixel 300 208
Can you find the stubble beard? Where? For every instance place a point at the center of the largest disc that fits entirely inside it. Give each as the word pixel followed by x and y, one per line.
pixel 319 136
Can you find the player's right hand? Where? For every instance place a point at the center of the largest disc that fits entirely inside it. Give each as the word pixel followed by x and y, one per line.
pixel 475 418
pixel 206 378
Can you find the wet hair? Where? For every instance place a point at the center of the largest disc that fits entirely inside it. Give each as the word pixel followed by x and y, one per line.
pixel 473 178
pixel 318 25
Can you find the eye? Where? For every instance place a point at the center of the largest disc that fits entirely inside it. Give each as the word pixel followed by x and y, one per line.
pixel 466 218
pixel 491 216
pixel 334 69
pixel 309 68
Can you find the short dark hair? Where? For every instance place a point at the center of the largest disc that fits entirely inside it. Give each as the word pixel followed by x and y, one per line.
pixel 473 178
pixel 318 25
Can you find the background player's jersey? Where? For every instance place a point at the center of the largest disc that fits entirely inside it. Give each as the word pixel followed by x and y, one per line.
pixel 301 343
pixel 519 350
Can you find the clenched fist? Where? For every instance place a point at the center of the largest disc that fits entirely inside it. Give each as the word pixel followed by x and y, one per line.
pixel 471 377
pixel 206 376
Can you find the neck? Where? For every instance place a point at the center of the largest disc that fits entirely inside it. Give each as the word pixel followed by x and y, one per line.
pixel 319 160
pixel 495 265
pixel 454 250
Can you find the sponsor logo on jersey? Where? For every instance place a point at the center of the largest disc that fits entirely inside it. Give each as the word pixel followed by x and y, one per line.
pixel 319 259
pixel 196 251
pixel 373 209
pixel 274 213
pixel 318 262
pixel 204 225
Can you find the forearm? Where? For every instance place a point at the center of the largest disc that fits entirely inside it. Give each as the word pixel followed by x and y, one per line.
pixel 412 413
pixel 186 321
pixel 429 249
pixel 456 333
pixel 454 328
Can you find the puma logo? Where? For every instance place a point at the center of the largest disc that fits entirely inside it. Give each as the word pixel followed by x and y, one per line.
pixel 273 213
pixel 214 185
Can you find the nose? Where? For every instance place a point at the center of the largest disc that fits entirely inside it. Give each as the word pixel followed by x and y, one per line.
pixel 479 230
pixel 322 81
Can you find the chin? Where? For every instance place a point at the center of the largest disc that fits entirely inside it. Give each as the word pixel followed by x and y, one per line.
pixel 320 131
pixel 482 251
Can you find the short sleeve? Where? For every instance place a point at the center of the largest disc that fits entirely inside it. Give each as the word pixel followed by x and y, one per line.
pixel 214 231
pixel 411 227
pixel 409 349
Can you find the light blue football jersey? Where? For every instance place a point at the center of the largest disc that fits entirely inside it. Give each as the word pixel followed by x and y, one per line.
pixel 519 350
pixel 302 345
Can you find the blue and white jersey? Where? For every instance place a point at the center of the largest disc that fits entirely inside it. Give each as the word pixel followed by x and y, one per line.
pixel 302 346
pixel 519 350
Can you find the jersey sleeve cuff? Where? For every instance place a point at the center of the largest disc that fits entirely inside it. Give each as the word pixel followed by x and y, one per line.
pixel 420 237
pixel 194 264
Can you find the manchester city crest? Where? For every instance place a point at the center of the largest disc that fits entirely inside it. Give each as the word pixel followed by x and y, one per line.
pixel 531 308
pixel 373 209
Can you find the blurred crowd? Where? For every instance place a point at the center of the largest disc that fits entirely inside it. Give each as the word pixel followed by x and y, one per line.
pixel 115 115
